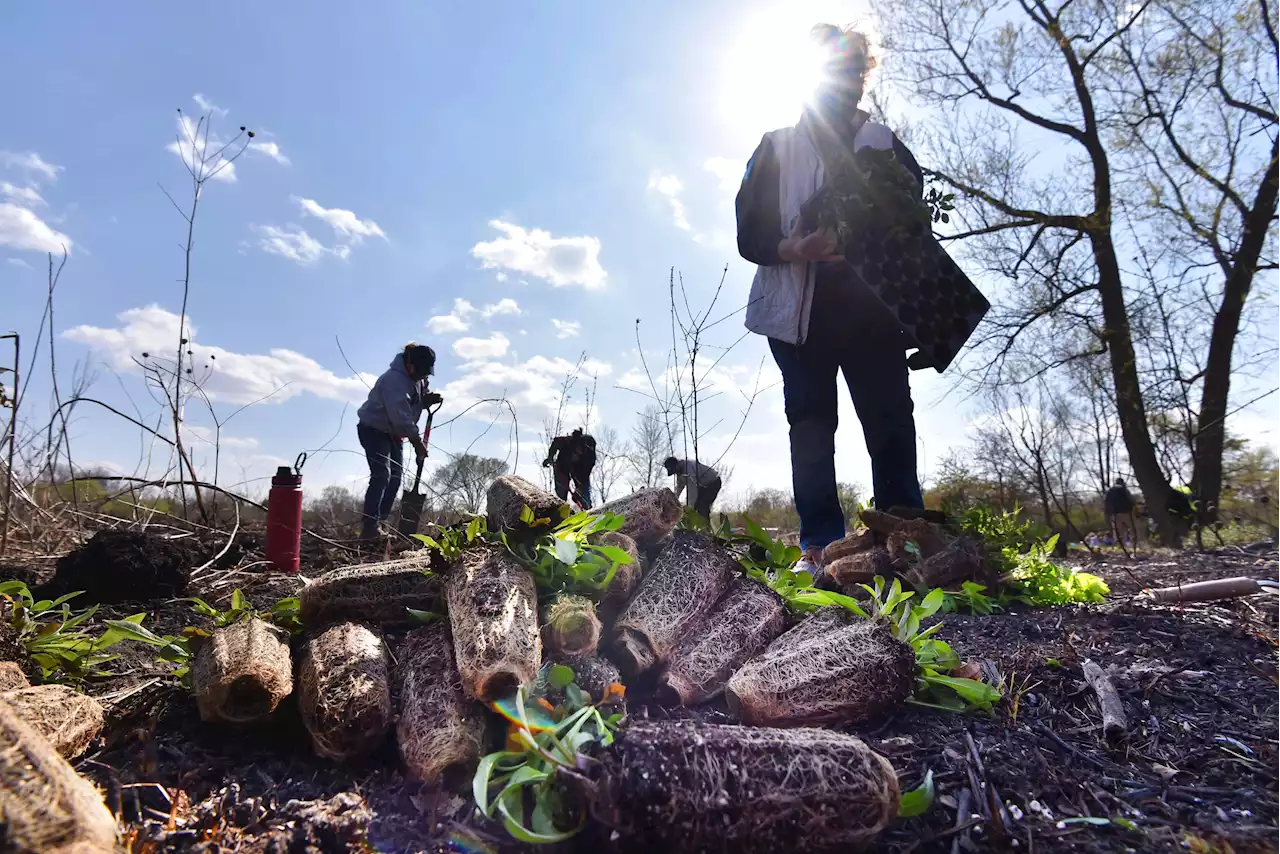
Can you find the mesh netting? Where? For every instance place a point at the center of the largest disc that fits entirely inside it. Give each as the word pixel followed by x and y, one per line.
pixel 859 541
pixel 344 691
pixel 69 720
pixel 627 576
pixel 11 676
pixel 689 576
pixel 375 593
pixel 677 786
pixel 570 626
pixel 44 804
pixel 438 727
pixel 509 495
pixel 833 668
pixel 741 625
pixel 242 673
pixel 493 610
pixel 861 567
pixel 650 514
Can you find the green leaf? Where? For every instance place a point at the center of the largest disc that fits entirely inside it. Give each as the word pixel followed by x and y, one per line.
pixel 238 601
pixel 523 834
pixel 827 597
pixel 42 605
pixel 975 693
pixel 422 616
pixel 560 676
pixel 1096 821
pixel 575 695
pixel 15 588
pixel 931 602
pixel 613 553
pixel 202 607
pixel 473 528
pixel 484 773
pixel 918 800
pixel 526 514
pixel 803 578
pixel 135 632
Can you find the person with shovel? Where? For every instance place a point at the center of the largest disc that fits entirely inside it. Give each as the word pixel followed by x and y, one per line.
pixel 385 421
pixel 572 459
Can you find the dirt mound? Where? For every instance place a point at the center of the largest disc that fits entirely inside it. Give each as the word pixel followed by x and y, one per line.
pixel 123 566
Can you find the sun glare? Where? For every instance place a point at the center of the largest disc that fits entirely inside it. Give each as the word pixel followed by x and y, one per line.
pixel 772 66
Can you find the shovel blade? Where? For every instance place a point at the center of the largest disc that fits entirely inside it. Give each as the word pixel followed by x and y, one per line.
pixel 410 512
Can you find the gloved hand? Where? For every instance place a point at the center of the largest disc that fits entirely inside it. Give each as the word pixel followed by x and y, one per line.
pixel 546 462
pixel 431 398
pixel 419 449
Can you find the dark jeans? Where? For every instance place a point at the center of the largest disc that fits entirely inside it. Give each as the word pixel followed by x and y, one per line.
pixel 385 454
pixel 581 486
pixel 706 497
pixel 874 364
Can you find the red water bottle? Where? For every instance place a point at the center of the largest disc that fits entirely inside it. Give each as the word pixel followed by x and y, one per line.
pixel 284 517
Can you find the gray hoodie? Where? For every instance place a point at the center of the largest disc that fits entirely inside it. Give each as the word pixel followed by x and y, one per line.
pixel 395 402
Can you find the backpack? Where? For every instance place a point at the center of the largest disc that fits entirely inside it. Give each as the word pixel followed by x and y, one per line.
pixel 586 456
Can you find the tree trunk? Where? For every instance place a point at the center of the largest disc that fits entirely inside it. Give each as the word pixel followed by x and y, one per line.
pixel 1206 477
pixel 1124 373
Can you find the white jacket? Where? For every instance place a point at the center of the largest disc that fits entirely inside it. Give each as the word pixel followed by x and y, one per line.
pixel 781 295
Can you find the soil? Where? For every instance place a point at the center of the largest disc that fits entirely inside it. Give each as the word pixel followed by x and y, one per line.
pixel 1198 770
pixel 122 566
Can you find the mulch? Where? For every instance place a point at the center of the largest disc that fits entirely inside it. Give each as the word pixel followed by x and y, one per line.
pixel 1197 771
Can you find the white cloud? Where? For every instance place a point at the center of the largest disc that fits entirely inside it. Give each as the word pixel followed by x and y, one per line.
pixel 197 146
pixel 272 150
pixel 670 187
pixel 559 260
pixel 18 262
pixel 29 161
pixel 342 221
pixel 728 171
pixel 479 349
pixel 501 276
pixel 26 196
pixel 208 106
pixel 454 321
pixel 232 377
pixel 533 388
pixel 22 229
pixel 506 305
pixel 296 244
pixel 566 328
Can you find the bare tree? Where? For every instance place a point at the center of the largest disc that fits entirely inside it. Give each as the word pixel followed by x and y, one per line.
pixel 463 482
pixel 613 458
pixel 648 447
pixel 1037 129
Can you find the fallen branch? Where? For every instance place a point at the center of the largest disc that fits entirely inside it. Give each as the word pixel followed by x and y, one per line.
pixel 1114 726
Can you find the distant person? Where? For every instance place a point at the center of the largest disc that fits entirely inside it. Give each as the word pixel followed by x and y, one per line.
pixel 572 459
pixel 821 319
pixel 702 481
pixel 1118 505
pixel 387 419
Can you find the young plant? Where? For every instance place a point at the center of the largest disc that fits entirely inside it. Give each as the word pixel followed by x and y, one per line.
pixel 567 561
pixel 174 649
pixel 970 596
pixel 935 659
pixel 51 633
pixel 283 614
pixel 772 563
pixel 451 542
pixel 542 740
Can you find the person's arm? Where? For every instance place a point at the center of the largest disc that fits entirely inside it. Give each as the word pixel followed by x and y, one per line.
pixel 553 451
pixel 758 211
pixel 907 159
pixel 395 401
pixel 681 480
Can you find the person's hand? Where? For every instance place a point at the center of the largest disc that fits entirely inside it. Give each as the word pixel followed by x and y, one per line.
pixel 817 246
pixel 419 449
pixel 431 398
pixel 546 462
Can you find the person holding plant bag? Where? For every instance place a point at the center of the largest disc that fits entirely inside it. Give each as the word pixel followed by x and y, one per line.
pixel 388 418
pixel 832 213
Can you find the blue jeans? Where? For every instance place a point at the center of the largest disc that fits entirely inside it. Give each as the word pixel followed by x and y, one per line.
pixel 385 454
pixel 875 369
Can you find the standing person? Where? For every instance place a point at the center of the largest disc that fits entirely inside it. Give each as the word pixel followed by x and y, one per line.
pixel 1118 505
pixel 703 482
pixel 819 316
pixel 572 459
pixel 388 418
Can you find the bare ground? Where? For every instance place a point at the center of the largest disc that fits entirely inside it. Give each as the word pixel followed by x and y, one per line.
pixel 1197 772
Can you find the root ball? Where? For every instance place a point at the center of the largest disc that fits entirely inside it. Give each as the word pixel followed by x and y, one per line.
pixel 242 673
pixel 741 625
pixel 374 593
pixel 570 626
pixel 689 576
pixel 344 691
pixel 508 496
pixel 11 676
pixel 438 726
pixel 44 805
pixel 493 611
pixel 69 720
pixel 681 786
pixel 650 514
pixel 833 668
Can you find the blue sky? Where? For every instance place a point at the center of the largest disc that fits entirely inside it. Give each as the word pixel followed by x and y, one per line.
pixel 545 164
